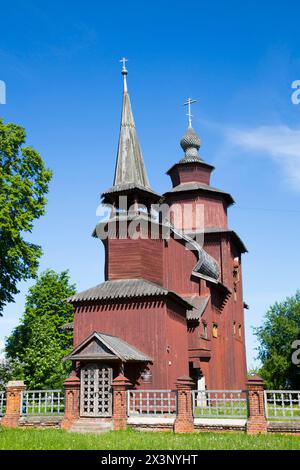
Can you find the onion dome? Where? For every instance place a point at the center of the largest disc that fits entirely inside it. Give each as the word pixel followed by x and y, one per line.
pixel 190 144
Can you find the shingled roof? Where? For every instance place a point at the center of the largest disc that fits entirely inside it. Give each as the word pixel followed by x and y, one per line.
pixel 194 186
pixel 200 304
pixel 124 289
pixel 101 346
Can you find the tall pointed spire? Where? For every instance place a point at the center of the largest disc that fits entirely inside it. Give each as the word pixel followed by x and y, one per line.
pixel 130 168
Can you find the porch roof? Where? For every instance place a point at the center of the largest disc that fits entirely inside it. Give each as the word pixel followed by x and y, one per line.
pixel 100 346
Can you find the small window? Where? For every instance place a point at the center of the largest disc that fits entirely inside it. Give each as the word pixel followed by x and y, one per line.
pixel 215 330
pixel 204 330
pixel 240 331
pixel 234 328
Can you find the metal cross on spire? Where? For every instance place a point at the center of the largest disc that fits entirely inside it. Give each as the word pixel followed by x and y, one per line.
pixel 188 103
pixel 124 60
pixel 124 73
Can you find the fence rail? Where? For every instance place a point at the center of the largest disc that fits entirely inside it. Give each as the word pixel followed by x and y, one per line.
pixel 152 402
pixel 2 402
pixel 282 405
pixel 42 402
pixel 220 404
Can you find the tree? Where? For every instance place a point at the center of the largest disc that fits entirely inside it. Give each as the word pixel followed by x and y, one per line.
pixel 24 181
pixel 280 330
pixel 39 343
pixel 253 370
pixel 8 369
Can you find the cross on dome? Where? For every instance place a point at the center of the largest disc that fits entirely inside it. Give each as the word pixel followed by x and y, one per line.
pixel 189 103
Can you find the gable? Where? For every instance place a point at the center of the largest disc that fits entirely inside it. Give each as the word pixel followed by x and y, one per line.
pixel 100 346
pixel 93 349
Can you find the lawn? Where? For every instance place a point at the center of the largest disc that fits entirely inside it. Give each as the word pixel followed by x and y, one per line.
pixel 51 439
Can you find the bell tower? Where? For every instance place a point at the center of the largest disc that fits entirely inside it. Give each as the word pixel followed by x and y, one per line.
pixel 131 179
pixel 191 185
pixel 128 255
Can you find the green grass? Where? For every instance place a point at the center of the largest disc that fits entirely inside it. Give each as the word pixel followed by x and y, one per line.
pixel 51 439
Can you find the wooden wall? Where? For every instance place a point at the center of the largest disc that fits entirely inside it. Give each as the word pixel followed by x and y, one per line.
pixel 151 326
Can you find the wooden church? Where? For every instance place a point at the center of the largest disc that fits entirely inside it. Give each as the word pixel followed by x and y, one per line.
pixel 170 306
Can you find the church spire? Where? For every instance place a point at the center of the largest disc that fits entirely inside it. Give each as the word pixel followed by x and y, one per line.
pixel 130 168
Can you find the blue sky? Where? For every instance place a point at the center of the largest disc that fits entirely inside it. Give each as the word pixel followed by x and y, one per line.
pixel 60 65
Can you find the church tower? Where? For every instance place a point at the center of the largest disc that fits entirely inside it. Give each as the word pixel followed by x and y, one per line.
pixel 130 178
pixel 221 328
pixel 169 305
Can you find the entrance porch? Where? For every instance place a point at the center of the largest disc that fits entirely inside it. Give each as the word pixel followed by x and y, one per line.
pixel 97 361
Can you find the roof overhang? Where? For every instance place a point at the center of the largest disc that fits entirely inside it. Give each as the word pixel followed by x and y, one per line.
pixel 194 162
pixel 102 347
pixel 145 193
pixel 235 237
pixel 201 188
pixel 124 289
pixel 199 306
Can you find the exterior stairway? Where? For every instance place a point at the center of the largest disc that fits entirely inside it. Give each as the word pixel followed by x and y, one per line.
pixel 92 425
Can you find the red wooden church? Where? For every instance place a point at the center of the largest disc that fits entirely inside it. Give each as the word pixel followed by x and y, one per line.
pixel 170 305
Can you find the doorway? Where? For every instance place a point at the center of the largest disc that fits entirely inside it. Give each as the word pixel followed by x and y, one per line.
pixel 96 390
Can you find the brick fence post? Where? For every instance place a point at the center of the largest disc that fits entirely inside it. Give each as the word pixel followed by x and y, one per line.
pixel 72 392
pixel 184 420
pixel 120 386
pixel 14 391
pixel 257 422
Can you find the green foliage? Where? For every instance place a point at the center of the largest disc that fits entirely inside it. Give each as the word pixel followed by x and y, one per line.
pixel 39 343
pixel 254 371
pixel 8 370
pixel 280 329
pixel 24 181
pixel 44 367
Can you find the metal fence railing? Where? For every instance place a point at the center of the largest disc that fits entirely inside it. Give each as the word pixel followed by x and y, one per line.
pixel 220 403
pixel 282 405
pixel 152 402
pixel 42 402
pixel 2 402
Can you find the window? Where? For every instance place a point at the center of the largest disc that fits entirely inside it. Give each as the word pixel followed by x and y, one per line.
pixel 234 328
pixel 215 330
pixel 236 277
pixel 240 331
pixel 204 330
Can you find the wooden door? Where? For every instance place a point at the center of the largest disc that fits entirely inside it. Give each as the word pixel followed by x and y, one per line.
pixel 96 391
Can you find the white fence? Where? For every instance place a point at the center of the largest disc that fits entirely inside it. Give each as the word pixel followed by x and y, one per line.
pixel 2 402
pixel 42 402
pixel 220 403
pixel 282 405
pixel 152 402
